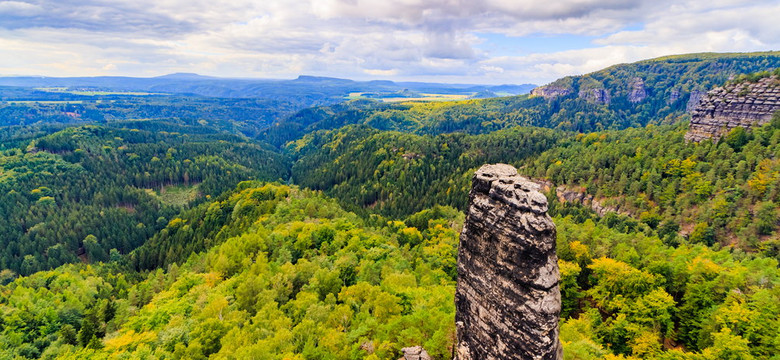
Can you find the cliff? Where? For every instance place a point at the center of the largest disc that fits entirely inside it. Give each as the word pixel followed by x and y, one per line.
pixel 745 105
pixel 507 298
pixel 551 91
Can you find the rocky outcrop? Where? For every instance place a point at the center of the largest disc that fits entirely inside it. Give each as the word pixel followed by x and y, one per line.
pixel 735 105
pixel 674 95
pixel 566 194
pixel 638 91
pixel 415 353
pixel 549 91
pixel 694 100
pixel 596 95
pixel 507 298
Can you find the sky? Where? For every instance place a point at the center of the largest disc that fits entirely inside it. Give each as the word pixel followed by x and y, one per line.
pixel 463 41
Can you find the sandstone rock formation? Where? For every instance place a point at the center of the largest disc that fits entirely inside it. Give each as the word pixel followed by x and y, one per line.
pixel 507 300
pixel 549 92
pixel 638 91
pixel 596 95
pixel 415 353
pixel 725 108
pixel 579 196
pixel 694 100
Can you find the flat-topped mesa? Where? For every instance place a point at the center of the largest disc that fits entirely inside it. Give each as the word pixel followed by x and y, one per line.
pixel 734 105
pixel 508 300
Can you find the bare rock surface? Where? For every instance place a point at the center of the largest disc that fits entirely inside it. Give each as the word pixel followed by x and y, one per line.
pixel 595 96
pixel 549 92
pixel 508 299
pixel 735 105
pixel 415 353
pixel 638 91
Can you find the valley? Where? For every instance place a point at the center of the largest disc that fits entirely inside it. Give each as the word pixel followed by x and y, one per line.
pixel 316 222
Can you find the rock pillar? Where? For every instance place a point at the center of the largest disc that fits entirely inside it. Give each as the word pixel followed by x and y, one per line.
pixel 507 300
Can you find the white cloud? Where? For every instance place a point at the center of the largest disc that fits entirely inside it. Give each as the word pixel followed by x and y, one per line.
pixel 18 8
pixel 399 39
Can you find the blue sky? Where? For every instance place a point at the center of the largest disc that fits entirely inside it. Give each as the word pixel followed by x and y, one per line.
pixel 465 41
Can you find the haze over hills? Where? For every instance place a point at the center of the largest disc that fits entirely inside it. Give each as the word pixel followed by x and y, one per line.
pixel 322 89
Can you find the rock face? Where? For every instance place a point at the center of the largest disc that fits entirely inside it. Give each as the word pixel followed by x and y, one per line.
pixel 566 194
pixel 415 353
pixel 638 91
pixel 694 100
pixel 596 96
pixel 549 92
pixel 507 300
pixel 734 105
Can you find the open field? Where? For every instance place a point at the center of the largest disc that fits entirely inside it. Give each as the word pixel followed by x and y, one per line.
pixel 424 97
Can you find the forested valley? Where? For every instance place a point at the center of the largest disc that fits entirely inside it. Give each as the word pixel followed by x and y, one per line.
pixel 332 232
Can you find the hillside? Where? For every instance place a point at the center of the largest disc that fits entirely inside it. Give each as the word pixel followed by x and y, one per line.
pixel 397 174
pixel 711 193
pixel 657 91
pixel 648 91
pixel 154 239
pixel 302 279
pixel 91 191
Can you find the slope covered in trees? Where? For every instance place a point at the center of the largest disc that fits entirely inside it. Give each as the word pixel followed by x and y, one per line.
pixel 89 191
pixel 655 91
pixel 304 280
pixel 724 192
pixel 246 116
pixel 396 174
pixel 307 280
pixel 170 258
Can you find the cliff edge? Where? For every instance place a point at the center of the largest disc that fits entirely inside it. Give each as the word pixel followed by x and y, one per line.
pixel 745 105
pixel 507 299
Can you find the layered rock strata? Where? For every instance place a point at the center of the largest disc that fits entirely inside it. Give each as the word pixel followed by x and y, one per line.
pixel 507 299
pixel 549 91
pixel 736 105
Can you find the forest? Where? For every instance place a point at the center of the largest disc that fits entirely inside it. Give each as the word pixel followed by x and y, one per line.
pixel 190 227
pixel 723 192
pixel 300 278
pixel 90 191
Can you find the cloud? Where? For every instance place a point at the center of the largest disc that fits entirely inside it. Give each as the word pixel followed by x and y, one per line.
pixel 18 8
pixel 435 40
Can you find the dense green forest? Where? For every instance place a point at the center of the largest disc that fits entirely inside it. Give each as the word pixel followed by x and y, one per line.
pixel 90 191
pixel 246 116
pixel 303 279
pixel 396 174
pixel 182 237
pixel 724 192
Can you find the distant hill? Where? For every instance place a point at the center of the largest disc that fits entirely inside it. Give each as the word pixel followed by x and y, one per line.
pixel 185 76
pixel 655 91
pixel 316 90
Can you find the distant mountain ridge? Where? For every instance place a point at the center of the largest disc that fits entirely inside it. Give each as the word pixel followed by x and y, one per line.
pixel 322 90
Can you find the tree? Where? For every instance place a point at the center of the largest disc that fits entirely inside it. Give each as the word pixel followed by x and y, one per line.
pixel 68 335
